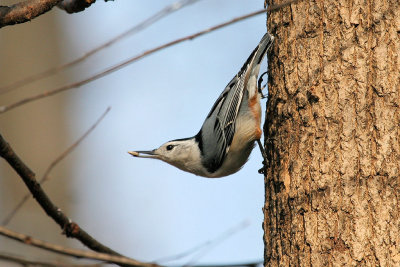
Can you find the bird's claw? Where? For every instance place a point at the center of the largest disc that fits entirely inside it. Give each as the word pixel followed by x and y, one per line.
pixel 262 170
pixel 260 87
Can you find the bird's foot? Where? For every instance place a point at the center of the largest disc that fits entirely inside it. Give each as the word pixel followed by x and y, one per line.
pixel 260 87
pixel 262 170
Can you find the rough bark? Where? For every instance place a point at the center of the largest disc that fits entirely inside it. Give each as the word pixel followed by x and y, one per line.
pixel 24 11
pixel 332 134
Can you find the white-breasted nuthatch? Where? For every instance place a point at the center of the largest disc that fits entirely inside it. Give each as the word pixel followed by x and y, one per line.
pixel 226 139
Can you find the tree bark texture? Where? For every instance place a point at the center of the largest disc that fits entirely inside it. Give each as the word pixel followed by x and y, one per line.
pixel 332 134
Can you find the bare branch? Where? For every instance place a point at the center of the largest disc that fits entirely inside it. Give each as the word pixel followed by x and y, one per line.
pixel 69 251
pixel 206 245
pixel 30 9
pixel 140 56
pixel 24 11
pixel 75 6
pixel 25 262
pixel 125 63
pixel 70 229
pixel 141 26
pixel 45 177
pixel 211 244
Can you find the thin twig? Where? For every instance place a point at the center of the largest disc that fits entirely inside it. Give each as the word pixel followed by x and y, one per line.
pixel 45 177
pixel 28 240
pixel 212 243
pixel 25 262
pixel 70 229
pixel 124 63
pixel 137 28
pixel 197 249
pixel 135 58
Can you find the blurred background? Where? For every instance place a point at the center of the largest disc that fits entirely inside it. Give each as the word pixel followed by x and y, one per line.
pixel 142 208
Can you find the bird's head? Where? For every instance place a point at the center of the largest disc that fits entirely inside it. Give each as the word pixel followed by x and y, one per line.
pixel 181 153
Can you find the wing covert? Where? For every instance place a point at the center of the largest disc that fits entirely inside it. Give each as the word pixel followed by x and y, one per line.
pixel 219 128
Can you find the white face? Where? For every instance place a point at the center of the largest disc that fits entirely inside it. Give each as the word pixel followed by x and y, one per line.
pixel 182 153
pixel 171 151
pixel 179 153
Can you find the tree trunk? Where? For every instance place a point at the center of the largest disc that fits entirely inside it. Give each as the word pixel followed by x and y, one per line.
pixel 332 134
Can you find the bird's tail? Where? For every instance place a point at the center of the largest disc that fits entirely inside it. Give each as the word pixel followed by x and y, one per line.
pixel 262 48
pixel 255 58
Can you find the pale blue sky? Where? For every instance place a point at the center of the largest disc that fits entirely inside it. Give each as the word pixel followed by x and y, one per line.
pixel 144 208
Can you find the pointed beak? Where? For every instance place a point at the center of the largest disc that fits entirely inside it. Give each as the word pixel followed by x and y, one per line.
pixel 144 154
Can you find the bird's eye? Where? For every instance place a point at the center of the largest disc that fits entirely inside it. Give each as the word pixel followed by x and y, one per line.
pixel 170 147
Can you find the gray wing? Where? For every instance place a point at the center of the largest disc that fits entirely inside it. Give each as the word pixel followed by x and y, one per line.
pixel 219 127
pixel 216 134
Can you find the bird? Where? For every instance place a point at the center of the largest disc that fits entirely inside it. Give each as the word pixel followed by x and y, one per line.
pixel 228 134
